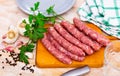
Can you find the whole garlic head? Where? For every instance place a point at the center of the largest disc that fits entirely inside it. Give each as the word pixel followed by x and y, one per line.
pixel 12 35
pixel 21 26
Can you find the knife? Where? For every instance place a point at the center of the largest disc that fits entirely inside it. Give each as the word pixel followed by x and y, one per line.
pixel 77 72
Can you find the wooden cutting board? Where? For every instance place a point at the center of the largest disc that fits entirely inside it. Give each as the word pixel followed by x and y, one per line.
pixel 45 60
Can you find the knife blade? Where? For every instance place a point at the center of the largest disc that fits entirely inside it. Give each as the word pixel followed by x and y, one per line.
pixel 77 72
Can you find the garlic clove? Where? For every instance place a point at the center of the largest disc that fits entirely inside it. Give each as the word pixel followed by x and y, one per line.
pixel 12 35
pixel 21 26
pixel 29 54
pixel 9 48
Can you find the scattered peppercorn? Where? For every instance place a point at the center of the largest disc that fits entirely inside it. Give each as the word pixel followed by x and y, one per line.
pixel 14 60
pixel 2 62
pixel 3 67
pixel 20 74
pixel 0 55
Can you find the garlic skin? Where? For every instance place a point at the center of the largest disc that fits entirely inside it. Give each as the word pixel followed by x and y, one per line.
pixel 29 54
pixel 12 35
pixel 21 26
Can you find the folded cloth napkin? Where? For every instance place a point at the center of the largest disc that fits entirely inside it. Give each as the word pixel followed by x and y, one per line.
pixel 103 13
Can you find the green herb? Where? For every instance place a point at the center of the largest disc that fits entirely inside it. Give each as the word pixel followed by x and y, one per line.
pixel 36 6
pixel 50 10
pixel 35 29
pixel 25 48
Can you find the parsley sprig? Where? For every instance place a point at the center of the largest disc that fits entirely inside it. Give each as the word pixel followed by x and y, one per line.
pixel 35 29
pixel 25 48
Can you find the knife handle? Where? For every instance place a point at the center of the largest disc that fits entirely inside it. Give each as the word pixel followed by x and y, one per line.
pixel 77 72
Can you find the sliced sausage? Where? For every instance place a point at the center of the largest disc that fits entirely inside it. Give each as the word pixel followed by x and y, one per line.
pixel 59 55
pixel 67 45
pixel 72 39
pixel 93 34
pixel 80 36
pixel 63 50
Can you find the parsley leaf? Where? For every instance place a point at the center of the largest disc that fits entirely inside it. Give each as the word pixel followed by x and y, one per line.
pixel 25 48
pixel 23 57
pixel 50 10
pixel 30 18
pixel 30 47
pixel 36 6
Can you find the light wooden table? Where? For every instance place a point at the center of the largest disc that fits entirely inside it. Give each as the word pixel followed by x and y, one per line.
pixel 10 14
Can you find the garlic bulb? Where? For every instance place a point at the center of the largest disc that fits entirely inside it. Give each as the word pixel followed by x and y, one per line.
pixel 21 26
pixel 12 35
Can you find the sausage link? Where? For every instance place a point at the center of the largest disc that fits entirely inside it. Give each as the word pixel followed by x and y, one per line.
pixel 92 33
pixel 80 36
pixel 67 45
pixel 63 50
pixel 59 55
pixel 73 40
